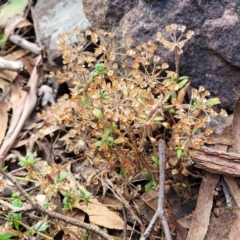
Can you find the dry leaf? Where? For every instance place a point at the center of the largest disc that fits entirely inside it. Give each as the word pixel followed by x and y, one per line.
pixel 13 23
pixel 3 83
pixel 201 215
pixel 182 93
pixel 98 213
pixel 8 75
pixel 16 54
pixel 4 119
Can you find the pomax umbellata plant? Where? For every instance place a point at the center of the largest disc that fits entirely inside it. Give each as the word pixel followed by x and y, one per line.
pixel 120 107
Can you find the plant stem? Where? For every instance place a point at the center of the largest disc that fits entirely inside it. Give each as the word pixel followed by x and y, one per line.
pixel 160 209
pixel 26 179
pixel 33 230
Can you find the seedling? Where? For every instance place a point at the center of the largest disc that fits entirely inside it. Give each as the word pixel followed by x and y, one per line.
pixel 15 217
pixel 67 200
pixel 85 197
pixel 28 162
pixel 151 183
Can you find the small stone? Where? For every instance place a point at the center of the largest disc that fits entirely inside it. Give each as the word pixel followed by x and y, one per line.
pixel 7 192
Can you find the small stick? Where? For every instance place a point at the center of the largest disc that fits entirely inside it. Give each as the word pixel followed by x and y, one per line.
pixel 125 223
pixel 11 65
pixel 56 215
pixel 160 208
pixel 23 43
pixel 10 206
pixel 226 192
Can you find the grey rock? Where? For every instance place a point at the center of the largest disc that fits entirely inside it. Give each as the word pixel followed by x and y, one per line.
pixel 54 18
pixel 211 58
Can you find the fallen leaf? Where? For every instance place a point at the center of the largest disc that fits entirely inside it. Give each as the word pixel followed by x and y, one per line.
pixel 182 93
pixel 13 8
pixel 3 83
pixel 98 213
pixel 13 23
pixel 201 215
pixel 4 119
pixel 15 94
pixel 16 54
pixel 8 75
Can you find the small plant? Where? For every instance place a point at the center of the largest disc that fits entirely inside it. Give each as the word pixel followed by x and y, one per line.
pixel 61 178
pixel 29 161
pixel 119 106
pixel 151 183
pixel 67 203
pixel 15 218
pixel 86 198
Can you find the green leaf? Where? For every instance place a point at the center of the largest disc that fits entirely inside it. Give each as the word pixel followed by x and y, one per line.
pixel 110 139
pixel 22 162
pixel 143 116
pixel 182 83
pixel 125 92
pixel 183 77
pixel 158 118
pixel 148 187
pixel 211 102
pixel 171 110
pixel 40 227
pixel 179 153
pixel 184 185
pixel 17 203
pixel 154 184
pixel 147 176
pixel 105 136
pixel 154 159
pixel 83 194
pixel 174 94
pixel 98 143
pixel 13 8
pixel 185 154
pixel 7 236
pixel 122 174
pixel 155 162
pixel 2 38
pixel 63 176
pixel 91 77
pixel 98 114
pixel 16 218
pixel 85 101
pixel 100 68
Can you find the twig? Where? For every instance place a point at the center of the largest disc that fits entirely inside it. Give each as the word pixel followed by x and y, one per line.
pixel 134 225
pixel 11 65
pixel 19 117
pixel 31 229
pixel 10 206
pixel 55 214
pixel 160 209
pixel 125 223
pixel 23 43
pixel 226 192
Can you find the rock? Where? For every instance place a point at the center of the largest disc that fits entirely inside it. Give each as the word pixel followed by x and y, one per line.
pixel 211 58
pixel 54 18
